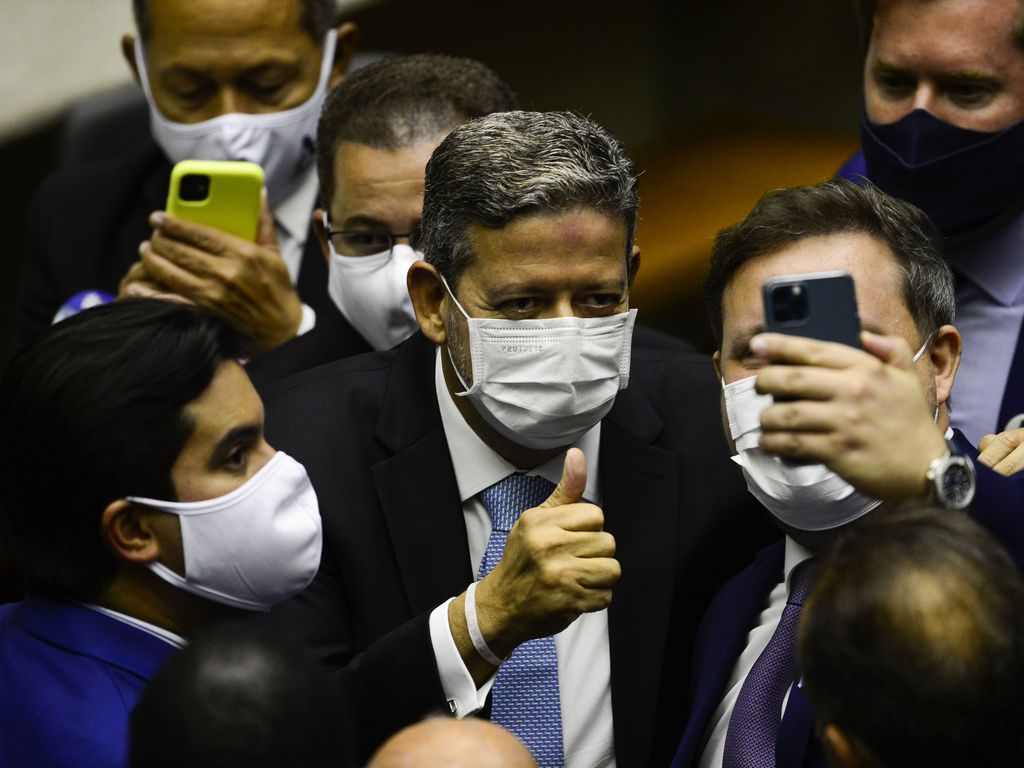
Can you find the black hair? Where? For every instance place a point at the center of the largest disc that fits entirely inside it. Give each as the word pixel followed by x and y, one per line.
pixel 240 697
pixel 399 101
pixel 786 216
pixel 318 17
pixel 94 411
pixel 912 642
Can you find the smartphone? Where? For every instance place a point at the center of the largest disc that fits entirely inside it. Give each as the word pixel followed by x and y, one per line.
pixel 222 194
pixel 817 305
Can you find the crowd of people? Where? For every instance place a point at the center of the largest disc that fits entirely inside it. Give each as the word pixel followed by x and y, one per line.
pixel 404 480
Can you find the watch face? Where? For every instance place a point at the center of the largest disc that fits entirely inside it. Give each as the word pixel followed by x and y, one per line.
pixel 957 484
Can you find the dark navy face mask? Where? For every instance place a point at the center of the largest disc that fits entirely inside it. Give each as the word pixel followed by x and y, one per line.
pixel 962 179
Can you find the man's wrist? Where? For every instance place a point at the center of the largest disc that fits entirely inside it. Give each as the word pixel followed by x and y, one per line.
pixel 951 480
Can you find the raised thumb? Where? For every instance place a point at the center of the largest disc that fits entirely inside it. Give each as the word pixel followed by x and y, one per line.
pixel 574 480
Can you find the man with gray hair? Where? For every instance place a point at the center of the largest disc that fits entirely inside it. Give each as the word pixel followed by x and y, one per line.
pixel 456 576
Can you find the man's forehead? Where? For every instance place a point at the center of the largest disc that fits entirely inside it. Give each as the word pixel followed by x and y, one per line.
pixel 199 22
pixel 877 277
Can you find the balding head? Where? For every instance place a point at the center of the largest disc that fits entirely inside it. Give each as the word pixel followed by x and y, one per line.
pixel 441 741
pixel 912 644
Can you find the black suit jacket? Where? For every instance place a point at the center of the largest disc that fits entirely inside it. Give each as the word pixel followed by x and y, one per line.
pixel 369 431
pixel 85 229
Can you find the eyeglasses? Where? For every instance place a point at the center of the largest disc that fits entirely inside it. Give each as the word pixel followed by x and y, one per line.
pixel 368 242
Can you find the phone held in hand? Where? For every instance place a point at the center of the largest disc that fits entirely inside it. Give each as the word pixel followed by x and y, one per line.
pixel 816 305
pixel 222 194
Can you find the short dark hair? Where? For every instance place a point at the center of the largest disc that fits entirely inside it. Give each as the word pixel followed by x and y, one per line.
pixel 94 411
pixel 866 10
pixel 912 642
pixel 240 697
pixel 400 101
pixel 318 17
pixel 786 216
pixel 497 168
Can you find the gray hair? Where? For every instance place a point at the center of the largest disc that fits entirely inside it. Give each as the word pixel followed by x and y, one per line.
pixel 837 207
pixel 496 168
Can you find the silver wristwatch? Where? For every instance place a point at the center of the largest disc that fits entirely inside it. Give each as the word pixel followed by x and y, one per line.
pixel 951 481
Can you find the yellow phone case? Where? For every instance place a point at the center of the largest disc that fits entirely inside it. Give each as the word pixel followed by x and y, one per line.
pixel 232 201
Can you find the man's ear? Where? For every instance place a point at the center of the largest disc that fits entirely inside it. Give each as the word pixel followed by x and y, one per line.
pixel 634 265
pixel 128 51
pixel 321 233
pixel 344 49
pixel 838 748
pixel 428 294
pixel 944 353
pixel 128 533
pixel 716 360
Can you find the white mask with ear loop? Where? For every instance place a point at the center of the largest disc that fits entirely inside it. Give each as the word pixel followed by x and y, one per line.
pixel 282 143
pixel 371 293
pixel 544 383
pixel 252 547
pixel 806 497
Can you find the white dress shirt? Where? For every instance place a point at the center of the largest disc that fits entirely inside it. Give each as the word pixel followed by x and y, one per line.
pixel 291 225
pixel 150 629
pixel 757 641
pixel 584 667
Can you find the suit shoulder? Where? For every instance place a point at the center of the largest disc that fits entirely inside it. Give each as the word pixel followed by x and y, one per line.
pixel 344 388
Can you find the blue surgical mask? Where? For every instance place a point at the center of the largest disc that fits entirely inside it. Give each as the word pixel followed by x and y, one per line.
pixel 962 179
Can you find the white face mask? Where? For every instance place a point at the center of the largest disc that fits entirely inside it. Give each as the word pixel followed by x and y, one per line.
pixel 807 497
pixel 252 547
pixel 371 292
pixel 544 383
pixel 281 142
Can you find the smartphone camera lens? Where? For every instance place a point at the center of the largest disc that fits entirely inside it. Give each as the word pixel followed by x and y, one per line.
pixel 194 187
pixel 789 304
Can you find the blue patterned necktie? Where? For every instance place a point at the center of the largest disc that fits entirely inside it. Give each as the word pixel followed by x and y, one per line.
pixel 757 714
pixel 524 699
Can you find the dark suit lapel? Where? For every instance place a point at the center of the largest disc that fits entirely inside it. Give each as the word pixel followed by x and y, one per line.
pixel 638 484
pixel 735 614
pixel 416 485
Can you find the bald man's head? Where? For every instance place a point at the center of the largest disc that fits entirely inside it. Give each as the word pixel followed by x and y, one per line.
pixel 441 741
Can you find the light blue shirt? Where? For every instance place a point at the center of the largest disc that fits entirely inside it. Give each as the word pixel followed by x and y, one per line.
pixel 989 315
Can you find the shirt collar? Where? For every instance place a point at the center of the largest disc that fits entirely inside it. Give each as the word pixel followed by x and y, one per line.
pixel 478 466
pixel 292 213
pixel 992 262
pixel 150 629
pixel 795 554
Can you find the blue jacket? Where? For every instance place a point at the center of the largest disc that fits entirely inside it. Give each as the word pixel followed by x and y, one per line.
pixel 734 611
pixel 69 677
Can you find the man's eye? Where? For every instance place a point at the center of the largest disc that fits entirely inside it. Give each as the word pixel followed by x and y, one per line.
pixel 895 84
pixel 267 91
pixel 969 95
pixel 361 243
pixel 603 299
pixel 236 458
pixel 518 306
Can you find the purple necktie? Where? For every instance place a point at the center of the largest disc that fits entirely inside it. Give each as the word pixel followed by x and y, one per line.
pixel 525 698
pixel 757 714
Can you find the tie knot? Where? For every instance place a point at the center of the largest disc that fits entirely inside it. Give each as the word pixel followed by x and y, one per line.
pixel 506 500
pixel 800 582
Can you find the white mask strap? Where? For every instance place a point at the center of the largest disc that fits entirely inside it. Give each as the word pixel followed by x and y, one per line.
pixel 927 341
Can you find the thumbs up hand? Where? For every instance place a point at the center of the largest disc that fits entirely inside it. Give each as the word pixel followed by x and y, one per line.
pixel 558 563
